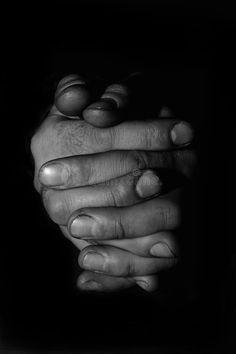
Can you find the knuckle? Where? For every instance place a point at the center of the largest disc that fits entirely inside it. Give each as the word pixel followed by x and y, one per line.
pixel 122 193
pixel 121 266
pixel 78 137
pixel 129 267
pixel 166 216
pixel 118 228
pixel 71 136
pixel 151 134
pixel 111 136
pixel 139 159
pixel 114 197
pixel 103 138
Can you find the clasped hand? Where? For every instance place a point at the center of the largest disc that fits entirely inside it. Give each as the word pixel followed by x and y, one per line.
pixel 99 171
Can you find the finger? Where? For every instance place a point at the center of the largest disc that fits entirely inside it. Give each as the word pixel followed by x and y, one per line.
pixel 79 244
pixel 148 283
pixel 162 244
pixel 151 135
pixel 148 217
pixel 117 102
pixel 77 171
pixel 72 95
pixel 123 191
pixel 91 281
pixel 117 262
pixel 154 245
pixel 59 137
pixel 110 109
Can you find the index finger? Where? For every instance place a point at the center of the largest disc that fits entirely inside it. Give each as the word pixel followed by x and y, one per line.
pixel 76 171
pixel 78 137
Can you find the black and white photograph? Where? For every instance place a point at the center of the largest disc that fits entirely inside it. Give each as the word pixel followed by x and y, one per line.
pixel 117 196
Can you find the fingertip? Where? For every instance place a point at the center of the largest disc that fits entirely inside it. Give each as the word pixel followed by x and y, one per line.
pixel 87 282
pixel 90 281
pixel 182 133
pixel 72 100
pixel 102 115
pixel 90 285
pixel 53 174
pixel 162 250
pixel 148 184
pixel 110 108
pixel 148 283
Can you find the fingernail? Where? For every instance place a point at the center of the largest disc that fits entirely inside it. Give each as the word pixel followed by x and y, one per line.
pixel 70 80
pixel 91 285
pixel 54 175
pixel 94 261
pixel 104 104
pixel 83 226
pixel 142 284
pixel 148 184
pixel 162 250
pixel 181 133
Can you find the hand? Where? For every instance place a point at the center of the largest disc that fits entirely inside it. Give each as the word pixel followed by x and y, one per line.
pixel 133 159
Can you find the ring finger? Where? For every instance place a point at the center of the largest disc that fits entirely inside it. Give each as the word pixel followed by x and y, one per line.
pixel 148 217
pixel 120 263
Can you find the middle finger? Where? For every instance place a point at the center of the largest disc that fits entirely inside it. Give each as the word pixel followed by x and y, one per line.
pixel 154 215
pixel 77 171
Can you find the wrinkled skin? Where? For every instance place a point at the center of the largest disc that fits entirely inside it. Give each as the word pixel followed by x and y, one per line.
pixel 101 162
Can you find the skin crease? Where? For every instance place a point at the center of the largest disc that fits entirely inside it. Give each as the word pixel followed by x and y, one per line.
pixel 61 137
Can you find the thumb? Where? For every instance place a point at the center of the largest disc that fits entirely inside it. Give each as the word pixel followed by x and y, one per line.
pixel 72 96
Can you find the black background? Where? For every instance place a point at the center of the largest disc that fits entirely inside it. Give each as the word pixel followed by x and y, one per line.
pixel 187 50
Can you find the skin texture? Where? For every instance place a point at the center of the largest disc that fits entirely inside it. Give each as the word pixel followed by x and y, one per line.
pixel 102 175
